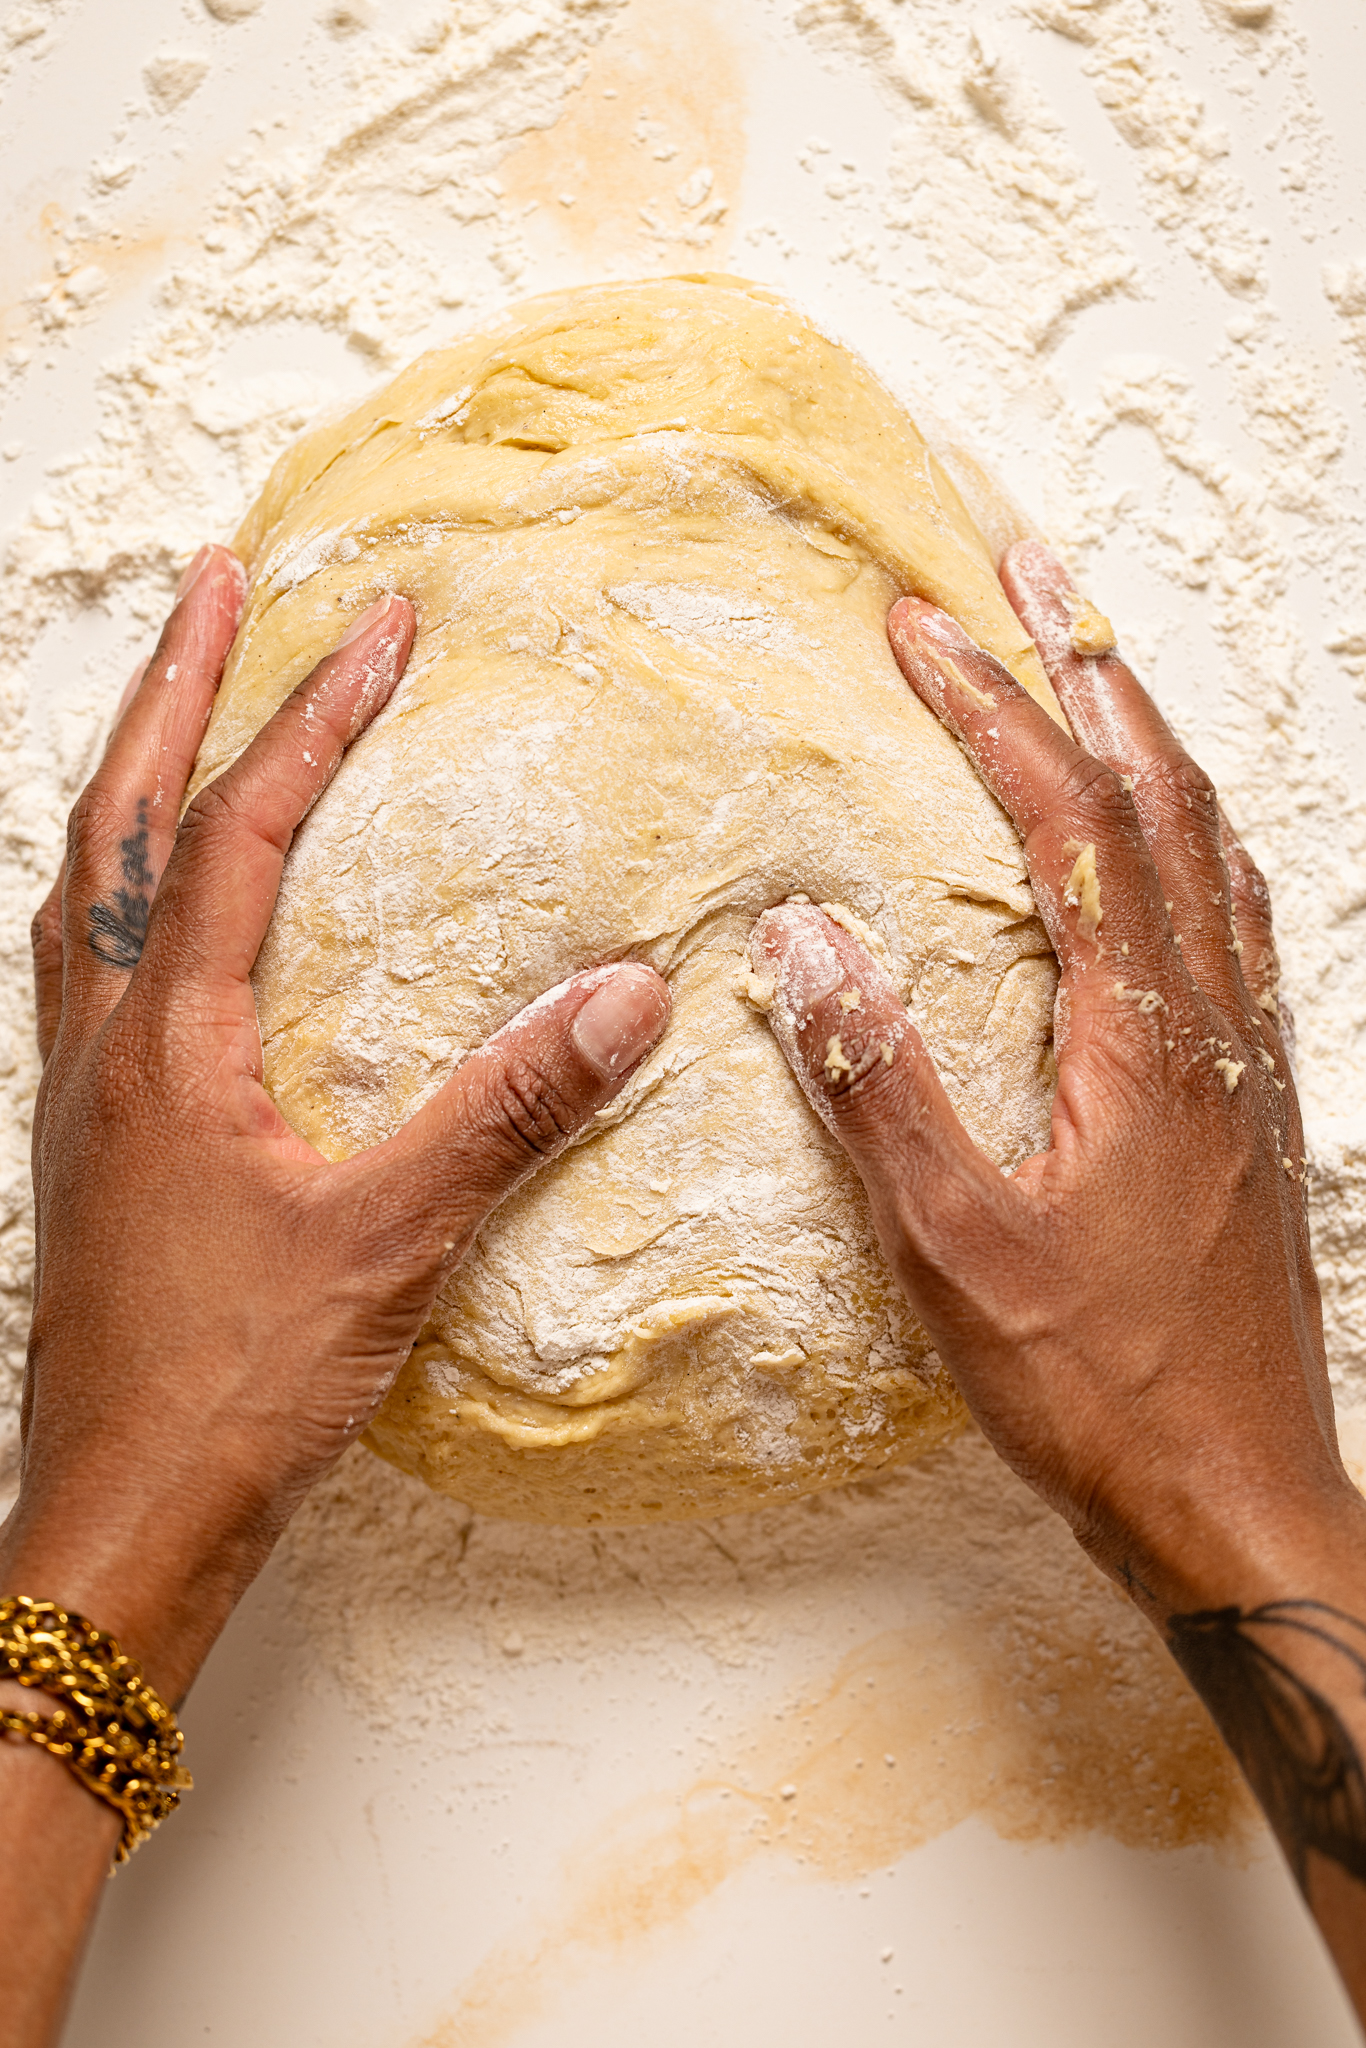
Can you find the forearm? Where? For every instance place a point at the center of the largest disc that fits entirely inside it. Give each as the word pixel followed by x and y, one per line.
pixel 56 1849
pixel 1276 1648
pixel 57 1838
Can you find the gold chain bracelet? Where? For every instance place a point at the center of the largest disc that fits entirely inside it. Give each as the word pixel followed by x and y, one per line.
pixel 111 1729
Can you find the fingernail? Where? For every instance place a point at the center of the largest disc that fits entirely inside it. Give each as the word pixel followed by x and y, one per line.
pixel 193 573
pixel 931 647
pixel 918 620
pixel 1083 630
pixel 621 1021
pixel 809 968
pixel 906 631
pixel 365 621
pixel 1035 561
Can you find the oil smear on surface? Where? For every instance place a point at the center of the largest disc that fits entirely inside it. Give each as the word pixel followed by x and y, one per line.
pixel 915 1735
pixel 1003 1676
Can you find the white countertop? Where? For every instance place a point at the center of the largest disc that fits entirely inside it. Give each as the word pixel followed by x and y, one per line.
pixel 539 1849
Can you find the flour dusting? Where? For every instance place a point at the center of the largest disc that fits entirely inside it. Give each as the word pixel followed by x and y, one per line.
pixel 1030 300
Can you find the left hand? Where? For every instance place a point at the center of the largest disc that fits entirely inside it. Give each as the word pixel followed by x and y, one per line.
pixel 219 1310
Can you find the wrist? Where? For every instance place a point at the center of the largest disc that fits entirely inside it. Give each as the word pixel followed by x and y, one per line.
pixel 162 1584
pixel 1248 1543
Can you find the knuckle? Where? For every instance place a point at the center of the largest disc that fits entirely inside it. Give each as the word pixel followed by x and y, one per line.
pixel 45 931
pixel 954 1233
pixel 212 815
pixel 229 806
pixel 388 1222
pixel 116 1081
pixel 958 1216
pixel 145 1070
pixel 94 817
pixel 113 1089
pixel 1091 792
pixel 526 1110
pixel 1251 900
pixel 861 1094
pixel 1182 784
pixel 208 810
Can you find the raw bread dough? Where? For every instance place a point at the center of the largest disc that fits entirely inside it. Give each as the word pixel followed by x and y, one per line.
pixel 652 532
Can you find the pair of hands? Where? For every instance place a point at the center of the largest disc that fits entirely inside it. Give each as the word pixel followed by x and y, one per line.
pixel 1132 1317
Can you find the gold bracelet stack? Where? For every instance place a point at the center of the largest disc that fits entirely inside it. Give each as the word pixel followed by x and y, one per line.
pixel 111 1729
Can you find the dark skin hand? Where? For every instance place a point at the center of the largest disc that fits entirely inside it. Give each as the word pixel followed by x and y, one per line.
pixel 1133 1316
pixel 219 1310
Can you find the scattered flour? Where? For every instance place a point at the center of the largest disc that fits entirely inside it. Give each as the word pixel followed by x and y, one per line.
pixel 172 77
pixel 696 611
pixel 397 214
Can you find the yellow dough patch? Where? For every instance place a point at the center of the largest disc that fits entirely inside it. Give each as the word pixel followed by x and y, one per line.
pixel 1091 632
pixel 1083 888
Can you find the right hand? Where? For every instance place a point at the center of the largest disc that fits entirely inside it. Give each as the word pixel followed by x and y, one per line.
pixel 1133 1317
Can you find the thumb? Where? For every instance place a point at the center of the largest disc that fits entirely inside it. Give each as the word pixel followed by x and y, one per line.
pixel 513 1105
pixel 865 1071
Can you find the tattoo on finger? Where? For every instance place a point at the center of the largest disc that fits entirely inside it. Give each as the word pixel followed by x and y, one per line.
pixel 118 927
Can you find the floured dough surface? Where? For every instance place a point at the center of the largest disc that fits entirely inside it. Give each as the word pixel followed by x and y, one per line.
pixel 652 532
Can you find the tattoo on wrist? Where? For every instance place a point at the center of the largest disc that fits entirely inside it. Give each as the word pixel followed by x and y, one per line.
pixel 118 928
pixel 1299 1757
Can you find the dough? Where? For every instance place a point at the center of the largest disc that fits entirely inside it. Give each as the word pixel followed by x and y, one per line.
pixel 652 532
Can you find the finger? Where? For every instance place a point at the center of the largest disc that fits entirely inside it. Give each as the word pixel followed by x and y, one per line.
pixel 1116 720
pixel 1258 957
pixel 220 884
pixel 131 687
pixel 508 1109
pixel 864 1069
pixel 124 822
pixel 46 935
pixel 1092 875
pixel 46 929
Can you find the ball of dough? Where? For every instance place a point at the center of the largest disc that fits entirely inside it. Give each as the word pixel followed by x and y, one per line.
pixel 652 532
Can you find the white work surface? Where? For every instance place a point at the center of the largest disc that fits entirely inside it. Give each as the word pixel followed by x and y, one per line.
pixel 347 1876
